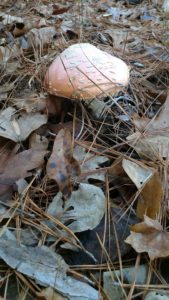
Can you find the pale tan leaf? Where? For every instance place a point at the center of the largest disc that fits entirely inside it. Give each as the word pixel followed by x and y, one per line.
pixel 50 294
pixel 18 127
pixel 149 237
pixel 90 164
pixel 8 52
pixel 41 37
pixel 31 102
pixel 138 173
pixel 159 124
pixel 85 207
pixel 150 146
pixel 38 142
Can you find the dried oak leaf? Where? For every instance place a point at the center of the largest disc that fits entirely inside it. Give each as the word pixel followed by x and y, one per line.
pixel 62 166
pixel 18 166
pixel 149 236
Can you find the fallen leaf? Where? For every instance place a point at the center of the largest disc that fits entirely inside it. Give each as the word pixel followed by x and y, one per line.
pixel 21 184
pixel 41 37
pixel 137 172
pixel 149 236
pixel 150 146
pixel 156 125
pixel 45 10
pixel 116 169
pixel 28 23
pixel 85 207
pixel 18 127
pixel 149 202
pixel 165 6
pixel 6 87
pixel 62 166
pixel 117 37
pixel 153 143
pixel 57 10
pixel 90 164
pixel 51 9
pixel 148 182
pixel 46 267
pixel 18 166
pixel 38 142
pixel 8 52
pixel 9 19
pixel 50 294
pixel 31 102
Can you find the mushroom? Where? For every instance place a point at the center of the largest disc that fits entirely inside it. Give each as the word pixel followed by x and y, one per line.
pixel 83 72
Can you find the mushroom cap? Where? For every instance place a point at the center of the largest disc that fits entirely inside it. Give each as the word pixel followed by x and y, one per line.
pixel 82 71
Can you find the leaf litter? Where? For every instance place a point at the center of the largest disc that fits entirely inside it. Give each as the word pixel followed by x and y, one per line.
pixel 67 177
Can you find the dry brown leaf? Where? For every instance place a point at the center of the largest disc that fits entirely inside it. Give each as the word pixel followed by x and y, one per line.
pixel 18 166
pixel 150 198
pixel 38 142
pixel 57 10
pixel 147 180
pixel 61 165
pixel 149 236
